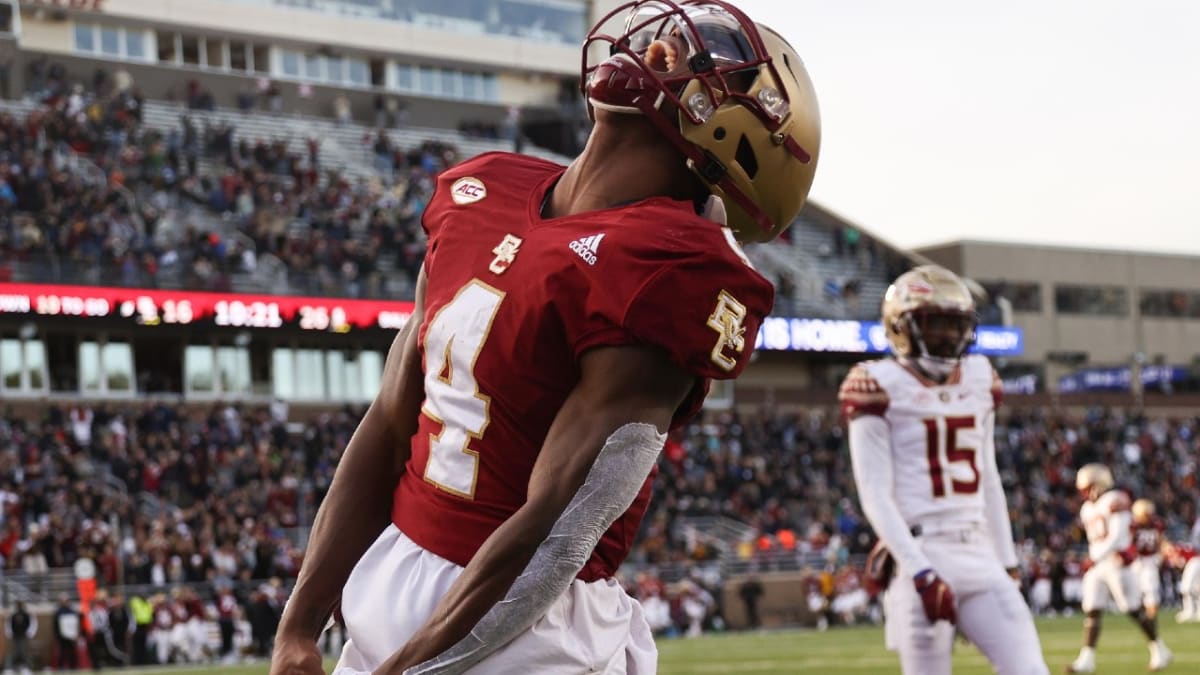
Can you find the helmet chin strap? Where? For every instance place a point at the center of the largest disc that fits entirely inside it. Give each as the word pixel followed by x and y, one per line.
pixel 936 368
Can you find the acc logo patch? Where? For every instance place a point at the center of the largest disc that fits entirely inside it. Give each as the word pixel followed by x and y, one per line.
pixel 467 190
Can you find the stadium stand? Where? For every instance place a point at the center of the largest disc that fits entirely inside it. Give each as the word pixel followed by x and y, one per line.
pixel 116 190
pixel 224 199
pixel 201 497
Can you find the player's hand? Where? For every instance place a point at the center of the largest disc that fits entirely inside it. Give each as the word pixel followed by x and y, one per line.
pixel 714 210
pixel 936 596
pixel 295 655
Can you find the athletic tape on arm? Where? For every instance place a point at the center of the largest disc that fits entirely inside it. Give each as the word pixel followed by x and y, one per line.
pixel 611 485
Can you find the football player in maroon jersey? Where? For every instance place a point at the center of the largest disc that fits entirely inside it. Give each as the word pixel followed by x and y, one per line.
pixel 566 318
pixel 1147 530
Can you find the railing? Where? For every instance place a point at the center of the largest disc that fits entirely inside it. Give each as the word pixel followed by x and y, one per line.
pixel 271 275
pixel 48 588
pixel 724 533
pixel 554 22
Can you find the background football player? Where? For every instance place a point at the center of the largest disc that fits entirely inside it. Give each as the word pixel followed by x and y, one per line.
pixel 1107 521
pixel 1185 558
pixel 920 429
pixel 1147 562
pixel 566 318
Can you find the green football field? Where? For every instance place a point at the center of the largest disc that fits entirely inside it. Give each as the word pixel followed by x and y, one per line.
pixel 837 651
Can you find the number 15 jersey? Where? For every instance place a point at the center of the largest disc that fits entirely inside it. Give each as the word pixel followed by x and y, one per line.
pixel 512 302
pixel 940 434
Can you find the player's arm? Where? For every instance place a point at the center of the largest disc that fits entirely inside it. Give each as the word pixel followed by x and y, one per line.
pixel 1118 522
pixel 871 461
pixel 995 505
pixel 612 423
pixel 358 505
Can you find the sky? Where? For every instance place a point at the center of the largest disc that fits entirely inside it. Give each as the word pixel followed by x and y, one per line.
pixel 1072 122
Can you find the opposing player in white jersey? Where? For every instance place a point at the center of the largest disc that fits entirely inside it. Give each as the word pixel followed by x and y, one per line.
pixel 1147 531
pixel 1185 558
pixel 920 429
pixel 1107 520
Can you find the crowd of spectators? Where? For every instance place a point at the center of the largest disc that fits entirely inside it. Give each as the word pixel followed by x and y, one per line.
pixel 134 212
pixel 160 496
pixel 199 203
pixel 788 476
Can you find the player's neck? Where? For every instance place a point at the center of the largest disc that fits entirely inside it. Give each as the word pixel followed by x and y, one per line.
pixel 625 160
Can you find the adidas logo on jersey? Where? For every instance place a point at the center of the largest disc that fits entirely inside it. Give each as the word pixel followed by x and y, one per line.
pixel 587 247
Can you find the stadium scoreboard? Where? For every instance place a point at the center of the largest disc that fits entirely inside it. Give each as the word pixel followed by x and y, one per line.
pixel 145 307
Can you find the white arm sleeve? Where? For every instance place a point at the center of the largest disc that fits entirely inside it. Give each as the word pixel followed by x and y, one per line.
pixel 871 458
pixel 611 485
pixel 995 504
pixel 1117 523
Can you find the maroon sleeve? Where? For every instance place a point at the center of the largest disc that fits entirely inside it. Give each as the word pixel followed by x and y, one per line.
pixel 681 288
pixel 703 311
pixel 860 394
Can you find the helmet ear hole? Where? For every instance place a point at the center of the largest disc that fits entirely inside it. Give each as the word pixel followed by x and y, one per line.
pixel 745 157
pixel 719 133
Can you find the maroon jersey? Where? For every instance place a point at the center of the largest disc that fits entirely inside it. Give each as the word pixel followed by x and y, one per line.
pixel 513 300
pixel 226 606
pixel 1185 553
pixel 195 608
pixel 164 616
pixel 1148 536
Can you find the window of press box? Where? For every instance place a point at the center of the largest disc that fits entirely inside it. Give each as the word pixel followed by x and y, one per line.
pixel 8 12
pixel 106 367
pixel 310 374
pixel 1025 296
pixel 1170 303
pixel 218 370
pixel 1092 300
pixel 22 365
pixel 114 42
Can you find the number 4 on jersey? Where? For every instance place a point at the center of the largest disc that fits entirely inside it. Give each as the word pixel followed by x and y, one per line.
pixel 453 341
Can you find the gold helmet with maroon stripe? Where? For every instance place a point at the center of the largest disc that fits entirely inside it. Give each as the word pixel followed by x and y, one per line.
pixel 929 317
pixel 1143 510
pixel 732 95
pixel 1093 480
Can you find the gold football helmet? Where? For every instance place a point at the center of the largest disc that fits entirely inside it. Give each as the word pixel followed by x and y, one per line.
pixel 1093 480
pixel 929 317
pixel 732 95
pixel 1143 510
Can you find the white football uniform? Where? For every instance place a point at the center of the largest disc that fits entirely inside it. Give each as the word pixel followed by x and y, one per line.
pixel 1106 522
pixel 1189 589
pixel 925 469
pixel 593 627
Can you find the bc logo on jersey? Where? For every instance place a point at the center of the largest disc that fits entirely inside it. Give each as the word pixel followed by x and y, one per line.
pixel 506 252
pixel 727 319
